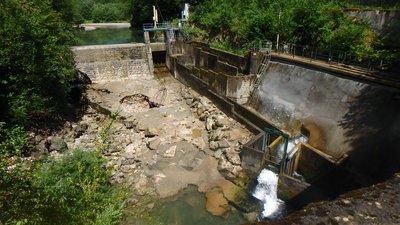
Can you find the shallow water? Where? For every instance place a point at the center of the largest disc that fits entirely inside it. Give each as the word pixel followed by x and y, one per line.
pixel 106 36
pixel 188 208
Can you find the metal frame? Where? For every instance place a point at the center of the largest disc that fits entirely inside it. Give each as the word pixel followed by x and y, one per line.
pixel 285 136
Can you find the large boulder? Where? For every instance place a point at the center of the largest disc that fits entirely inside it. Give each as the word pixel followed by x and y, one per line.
pixel 56 144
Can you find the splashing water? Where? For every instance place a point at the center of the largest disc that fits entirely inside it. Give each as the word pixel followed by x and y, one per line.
pixel 266 191
pixel 291 144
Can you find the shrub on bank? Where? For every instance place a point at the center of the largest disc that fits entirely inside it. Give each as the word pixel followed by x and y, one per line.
pixel 73 189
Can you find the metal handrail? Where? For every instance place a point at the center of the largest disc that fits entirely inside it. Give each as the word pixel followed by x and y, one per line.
pixel 157 26
pixel 326 54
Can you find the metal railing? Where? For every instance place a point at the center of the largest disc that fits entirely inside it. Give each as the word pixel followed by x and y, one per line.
pixel 327 55
pixel 157 26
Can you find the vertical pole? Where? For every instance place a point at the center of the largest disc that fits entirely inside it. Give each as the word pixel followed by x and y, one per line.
pixel 283 161
pixel 277 36
pixel 155 16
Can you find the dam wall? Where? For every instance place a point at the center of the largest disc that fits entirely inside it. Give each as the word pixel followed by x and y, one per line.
pixel 354 122
pixel 112 62
pixel 227 74
pixel 344 118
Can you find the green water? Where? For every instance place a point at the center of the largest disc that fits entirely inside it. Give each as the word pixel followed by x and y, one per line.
pixel 106 36
pixel 188 208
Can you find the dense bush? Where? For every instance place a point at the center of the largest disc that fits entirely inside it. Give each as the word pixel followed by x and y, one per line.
pixel 239 24
pixel 36 64
pixel 71 190
pixel 109 12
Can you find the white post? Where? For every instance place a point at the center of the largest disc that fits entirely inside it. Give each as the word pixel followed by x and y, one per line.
pixel 277 36
pixel 155 16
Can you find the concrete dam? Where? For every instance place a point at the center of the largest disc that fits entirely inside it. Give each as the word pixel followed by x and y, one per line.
pixel 352 124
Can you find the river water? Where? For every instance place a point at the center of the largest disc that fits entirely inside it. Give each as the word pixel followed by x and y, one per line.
pixel 107 36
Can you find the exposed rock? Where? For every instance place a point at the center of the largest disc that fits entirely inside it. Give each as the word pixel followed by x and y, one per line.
pixel 150 132
pixel 237 171
pixel 56 144
pixel 217 135
pixel 223 144
pixel 132 201
pixel 213 145
pixel 131 148
pixel 216 203
pixel 200 111
pixel 218 153
pixel 170 153
pixel 199 143
pixel 224 165
pixel 125 162
pixel 129 155
pixel 115 149
pixel 209 124
pixel 230 190
pixel 141 126
pixel 204 116
pixel 129 124
pixel 221 121
pixel 117 177
pixel 80 129
pixel 251 216
pixel 141 185
pixel 154 144
pixel 232 156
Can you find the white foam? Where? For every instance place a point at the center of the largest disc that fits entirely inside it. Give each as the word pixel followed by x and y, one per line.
pixel 266 191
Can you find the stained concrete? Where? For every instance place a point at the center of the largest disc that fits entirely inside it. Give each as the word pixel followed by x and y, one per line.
pixel 112 62
pixel 343 117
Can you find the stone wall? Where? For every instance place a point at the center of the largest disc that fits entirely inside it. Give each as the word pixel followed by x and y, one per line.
pixel 112 62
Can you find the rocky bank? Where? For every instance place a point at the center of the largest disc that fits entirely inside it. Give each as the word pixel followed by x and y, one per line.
pixel 159 137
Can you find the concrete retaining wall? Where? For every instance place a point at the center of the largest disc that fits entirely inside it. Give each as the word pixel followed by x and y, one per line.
pixel 381 21
pixel 227 74
pixel 112 62
pixel 343 116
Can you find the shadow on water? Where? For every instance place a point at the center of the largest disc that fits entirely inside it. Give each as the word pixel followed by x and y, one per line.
pixel 372 128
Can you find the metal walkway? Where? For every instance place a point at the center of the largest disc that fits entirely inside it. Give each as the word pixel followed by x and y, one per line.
pixel 265 47
pixel 158 26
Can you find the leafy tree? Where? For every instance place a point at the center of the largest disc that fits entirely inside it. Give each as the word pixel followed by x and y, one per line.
pixel 241 23
pixel 86 9
pixel 73 189
pixel 36 64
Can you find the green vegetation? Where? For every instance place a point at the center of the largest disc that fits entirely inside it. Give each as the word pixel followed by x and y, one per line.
pixel 103 10
pixel 239 24
pixel 142 10
pixel 71 190
pixel 37 70
pixel 36 63
pixel 242 23
pixel 372 4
